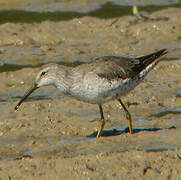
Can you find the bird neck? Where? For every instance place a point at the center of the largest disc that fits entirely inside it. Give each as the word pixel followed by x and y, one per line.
pixel 61 80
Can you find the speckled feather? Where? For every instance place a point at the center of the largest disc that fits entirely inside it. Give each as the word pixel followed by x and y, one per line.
pixel 106 78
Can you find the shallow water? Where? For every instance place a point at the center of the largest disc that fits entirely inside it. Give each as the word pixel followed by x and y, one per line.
pixel 105 11
pixel 77 145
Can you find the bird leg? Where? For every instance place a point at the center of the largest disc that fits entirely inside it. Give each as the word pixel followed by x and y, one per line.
pixel 128 117
pixel 102 123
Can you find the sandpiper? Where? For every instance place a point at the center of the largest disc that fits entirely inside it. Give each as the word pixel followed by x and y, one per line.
pixel 104 79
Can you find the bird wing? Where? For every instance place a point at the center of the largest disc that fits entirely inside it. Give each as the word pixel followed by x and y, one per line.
pixel 113 67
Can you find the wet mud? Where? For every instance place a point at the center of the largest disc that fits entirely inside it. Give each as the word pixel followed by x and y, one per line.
pixel 52 136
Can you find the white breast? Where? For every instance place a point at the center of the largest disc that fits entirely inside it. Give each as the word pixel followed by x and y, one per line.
pixel 96 90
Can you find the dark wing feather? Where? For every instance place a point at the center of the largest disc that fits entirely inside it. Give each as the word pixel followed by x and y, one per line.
pixel 113 67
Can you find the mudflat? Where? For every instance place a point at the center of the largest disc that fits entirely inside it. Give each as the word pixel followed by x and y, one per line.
pixel 49 137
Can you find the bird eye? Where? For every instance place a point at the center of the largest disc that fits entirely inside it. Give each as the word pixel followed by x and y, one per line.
pixel 43 73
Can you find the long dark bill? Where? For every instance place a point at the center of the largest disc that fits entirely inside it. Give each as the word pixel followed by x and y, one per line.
pixel 34 87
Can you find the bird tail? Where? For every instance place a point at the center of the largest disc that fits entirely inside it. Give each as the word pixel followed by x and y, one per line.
pixel 148 59
pixel 147 63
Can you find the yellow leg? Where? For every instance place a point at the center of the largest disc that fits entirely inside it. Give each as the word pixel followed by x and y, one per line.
pixel 128 117
pixel 103 122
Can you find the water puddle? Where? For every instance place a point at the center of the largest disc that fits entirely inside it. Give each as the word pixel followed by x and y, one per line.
pixel 67 146
pixel 165 113
pixel 31 98
pixel 159 149
pixel 15 67
pixel 108 10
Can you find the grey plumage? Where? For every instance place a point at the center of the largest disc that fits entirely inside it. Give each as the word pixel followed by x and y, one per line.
pixel 106 78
